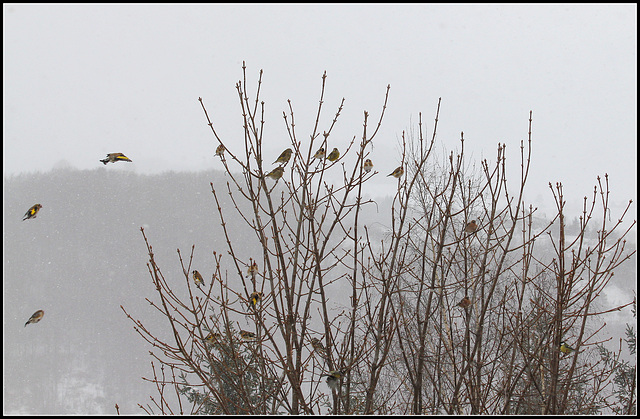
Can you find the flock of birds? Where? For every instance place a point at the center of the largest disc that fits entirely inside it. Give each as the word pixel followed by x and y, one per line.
pixel 285 156
pixel 213 338
pixel 32 213
pixel 333 377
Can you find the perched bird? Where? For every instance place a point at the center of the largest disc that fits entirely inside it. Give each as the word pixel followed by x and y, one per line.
pixel 32 212
pixel 320 153
pixel 334 155
pixel 368 165
pixel 397 173
pixel 197 278
pixel 284 157
pixel 114 157
pixel 35 317
pixel 471 227
pixel 252 271
pixel 255 298
pixel 465 302
pixel 220 150
pixel 333 379
pixel 566 349
pixel 246 335
pixel 319 347
pixel 212 338
pixel 276 173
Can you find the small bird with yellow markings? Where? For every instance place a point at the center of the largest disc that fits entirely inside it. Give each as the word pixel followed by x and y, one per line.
pixel 334 155
pixel 114 157
pixel 284 157
pixel 333 379
pixel 319 347
pixel 465 302
pixel 320 153
pixel 220 150
pixel 212 338
pixel 397 173
pixel 35 317
pixel 276 173
pixel 565 349
pixel 368 165
pixel 471 227
pixel 246 335
pixel 255 298
pixel 197 278
pixel 32 212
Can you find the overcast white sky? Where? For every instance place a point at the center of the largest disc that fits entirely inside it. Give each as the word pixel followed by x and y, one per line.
pixel 81 81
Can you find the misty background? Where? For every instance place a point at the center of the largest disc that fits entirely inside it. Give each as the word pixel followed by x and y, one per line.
pixel 84 256
pixel 81 81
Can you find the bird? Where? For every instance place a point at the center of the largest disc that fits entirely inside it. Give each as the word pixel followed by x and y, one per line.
pixel 212 338
pixel 276 173
pixel 35 317
pixel 284 157
pixel 397 173
pixel 246 335
pixel 465 302
pixel 114 157
pixel 255 298
pixel 334 155
pixel 32 212
pixel 253 270
pixel 320 153
pixel 319 347
pixel 471 227
pixel 564 348
pixel 333 379
pixel 220 150
pixel 368 165
pixel 197 278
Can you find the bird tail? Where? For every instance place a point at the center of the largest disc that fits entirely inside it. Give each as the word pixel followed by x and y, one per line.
pixel 105 161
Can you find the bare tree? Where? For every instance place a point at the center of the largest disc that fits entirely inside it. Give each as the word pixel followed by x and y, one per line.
pixel 481 316
pixel 451 311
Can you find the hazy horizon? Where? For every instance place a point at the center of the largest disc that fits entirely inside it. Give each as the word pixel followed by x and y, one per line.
pixel 81 81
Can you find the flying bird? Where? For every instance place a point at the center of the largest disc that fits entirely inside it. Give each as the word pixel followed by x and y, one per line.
pixel 220 150
pixel 465 302
pixel 197 278
pixel 471 227
pixel 114 157
pixel 32 212
pixel 276 173
pixel 333 379
pixel 320 153
pixel 284 157
pixel 334 155
pixel 368 165
pixel 35 317
pixel 397 173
